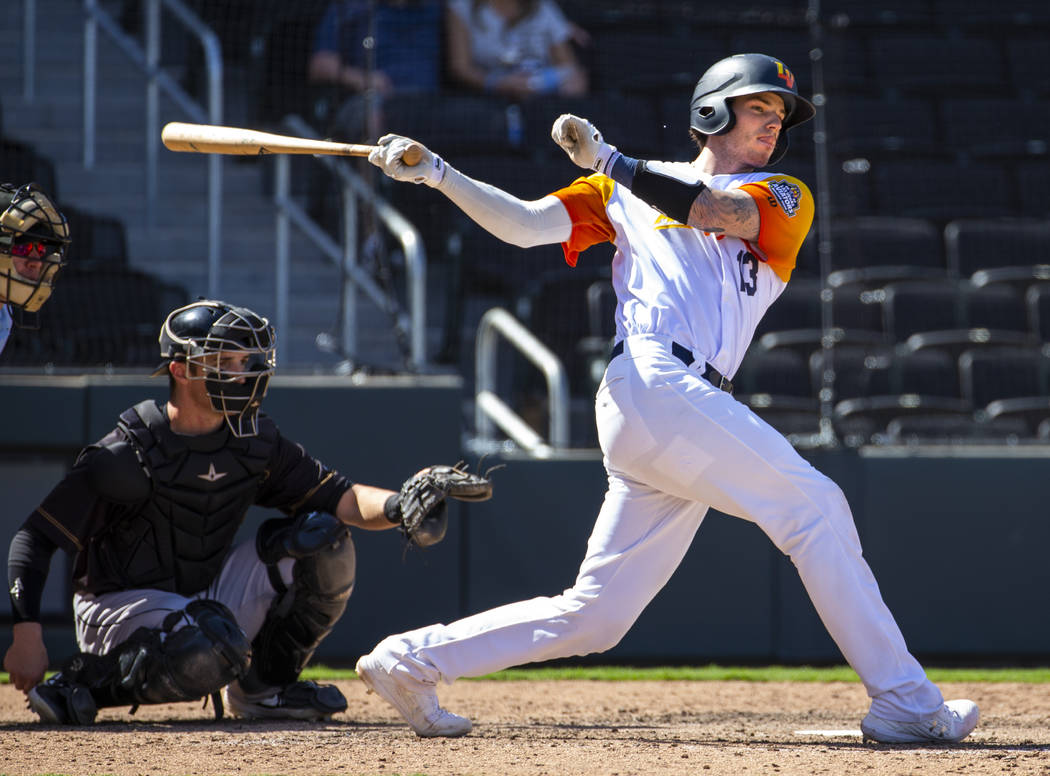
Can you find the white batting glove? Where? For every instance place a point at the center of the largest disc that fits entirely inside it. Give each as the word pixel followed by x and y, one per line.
pixel 582 141
pixel 387 157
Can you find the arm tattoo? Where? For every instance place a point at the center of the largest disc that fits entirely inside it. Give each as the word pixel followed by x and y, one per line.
pixel 732 212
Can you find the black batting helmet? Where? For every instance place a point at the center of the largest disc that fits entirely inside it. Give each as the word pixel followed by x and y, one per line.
pixel 739 75
pixel 205 331
pixel 31 230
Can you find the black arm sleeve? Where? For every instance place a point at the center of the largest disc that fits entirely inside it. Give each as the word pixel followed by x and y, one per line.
pixel 672 197
pixel 28 561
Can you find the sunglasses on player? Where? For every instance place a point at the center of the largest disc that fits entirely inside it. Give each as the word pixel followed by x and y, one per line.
pixel 32 249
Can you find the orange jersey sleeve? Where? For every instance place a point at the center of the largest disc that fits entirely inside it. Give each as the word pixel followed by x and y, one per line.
pixel 785 208
pixel 585 200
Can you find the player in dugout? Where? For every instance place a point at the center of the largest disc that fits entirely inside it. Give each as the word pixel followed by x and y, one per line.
pixel 34 237
pixel 167 608
pixel 703 248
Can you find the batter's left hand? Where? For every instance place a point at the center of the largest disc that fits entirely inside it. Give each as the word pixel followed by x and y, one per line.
pixel 387 157
pixel 582 141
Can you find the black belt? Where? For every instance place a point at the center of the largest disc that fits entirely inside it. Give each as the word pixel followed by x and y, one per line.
pixel 685 355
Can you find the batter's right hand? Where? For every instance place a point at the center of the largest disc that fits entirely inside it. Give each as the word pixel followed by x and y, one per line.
pixel 582 141
pixel 387 157
pixel 26 659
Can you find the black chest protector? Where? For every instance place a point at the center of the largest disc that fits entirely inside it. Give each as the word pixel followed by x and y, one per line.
pixel 201 488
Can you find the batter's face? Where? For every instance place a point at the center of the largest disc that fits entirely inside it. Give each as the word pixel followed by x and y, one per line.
pixel 751 141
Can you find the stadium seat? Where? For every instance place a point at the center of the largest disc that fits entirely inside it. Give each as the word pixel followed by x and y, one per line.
pixel 950 429
pixel 894 14
pixel 955 341
pixel 1027 58
pixel 1002 373
pixel 1037 302
pixel 1031 411
pixel 873 241
pixel 858 370
pixel 940 188
pixel 669 61
pixel 998 306
pixel 967 128
pixel 866 123
pixel 775 372
pixel 980 243
pixel 921 61
pixel 926 372
pixel 857 309
pixel 798 307
pixel 864 420
pixel 915 306
pixel 805 341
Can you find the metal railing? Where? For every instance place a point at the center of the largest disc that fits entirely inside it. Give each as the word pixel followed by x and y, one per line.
pixel 491 411
pixel 354 189
pixel 148 61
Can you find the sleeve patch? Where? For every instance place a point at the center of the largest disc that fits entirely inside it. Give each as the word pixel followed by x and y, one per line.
pixel 785 207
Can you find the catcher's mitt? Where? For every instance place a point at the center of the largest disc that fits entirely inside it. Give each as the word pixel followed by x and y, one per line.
pixel 421 502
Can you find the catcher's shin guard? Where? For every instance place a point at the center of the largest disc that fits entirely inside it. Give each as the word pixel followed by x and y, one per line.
pixel 164 665
pixel 304 612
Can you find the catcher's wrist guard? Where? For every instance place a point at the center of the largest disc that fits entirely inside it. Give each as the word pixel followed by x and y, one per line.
pixel 392 508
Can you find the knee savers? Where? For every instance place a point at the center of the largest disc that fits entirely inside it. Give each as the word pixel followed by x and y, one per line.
pixel 163 665
pixel 302 613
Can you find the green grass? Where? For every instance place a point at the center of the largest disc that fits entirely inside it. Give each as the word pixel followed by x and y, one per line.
pixel 716 673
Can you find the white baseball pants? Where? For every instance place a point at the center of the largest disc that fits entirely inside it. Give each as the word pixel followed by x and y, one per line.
pixel 105 620
pixel 674 446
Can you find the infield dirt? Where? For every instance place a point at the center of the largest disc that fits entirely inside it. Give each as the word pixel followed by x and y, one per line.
pixel 562 728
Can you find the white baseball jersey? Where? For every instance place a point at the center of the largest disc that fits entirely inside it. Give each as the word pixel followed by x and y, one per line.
pixel 5 326
pixel 671 279
pixel 675 445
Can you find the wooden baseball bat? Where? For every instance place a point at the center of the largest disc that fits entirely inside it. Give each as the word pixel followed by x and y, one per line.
pixel 214 139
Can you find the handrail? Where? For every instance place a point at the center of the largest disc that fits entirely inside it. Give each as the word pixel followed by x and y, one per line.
pixel 148 61
pixel 345 256
pixel 489 409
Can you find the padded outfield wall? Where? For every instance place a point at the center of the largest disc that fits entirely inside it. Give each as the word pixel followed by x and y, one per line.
pixel 956 536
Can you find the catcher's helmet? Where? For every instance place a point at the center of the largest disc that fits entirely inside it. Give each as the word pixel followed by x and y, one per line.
pixel 739 75
pixel 207 333
pixel 31 230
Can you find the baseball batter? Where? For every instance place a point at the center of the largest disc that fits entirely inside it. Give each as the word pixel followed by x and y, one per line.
pixel 34 237
pixel 703 249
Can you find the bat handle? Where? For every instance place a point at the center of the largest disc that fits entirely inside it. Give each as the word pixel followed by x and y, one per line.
pixel 412 155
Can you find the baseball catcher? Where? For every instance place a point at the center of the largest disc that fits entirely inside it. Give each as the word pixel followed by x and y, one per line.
pixel 167 607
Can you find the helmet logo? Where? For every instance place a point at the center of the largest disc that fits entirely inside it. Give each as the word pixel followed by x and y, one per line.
pixel 787 75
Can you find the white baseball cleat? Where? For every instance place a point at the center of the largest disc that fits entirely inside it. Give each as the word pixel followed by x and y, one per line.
pixel 417 702
pixel 951 723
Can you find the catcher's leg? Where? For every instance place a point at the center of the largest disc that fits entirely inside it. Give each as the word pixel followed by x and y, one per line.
pixel 154 665
pixel 300 616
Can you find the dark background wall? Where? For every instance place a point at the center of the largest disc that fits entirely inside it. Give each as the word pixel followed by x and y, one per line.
pixel 957 542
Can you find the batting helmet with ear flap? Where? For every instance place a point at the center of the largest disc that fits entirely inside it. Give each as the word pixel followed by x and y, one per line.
pixel 741 74
pixel 34 236
pixel 234 352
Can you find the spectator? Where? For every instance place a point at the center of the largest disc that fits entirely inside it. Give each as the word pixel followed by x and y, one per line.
pixel 376 49
pixel 515 48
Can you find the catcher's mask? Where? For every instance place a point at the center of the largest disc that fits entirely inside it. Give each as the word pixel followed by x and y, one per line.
pixel 233 350
pixel 34 237
pixel 710 112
